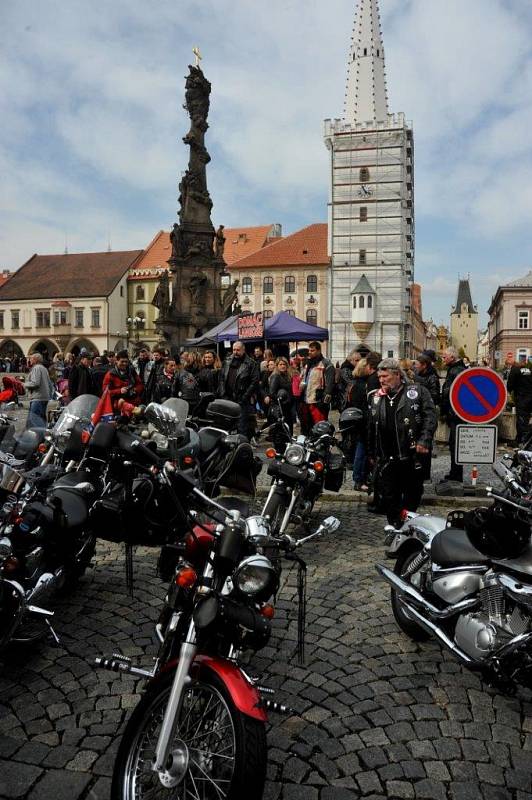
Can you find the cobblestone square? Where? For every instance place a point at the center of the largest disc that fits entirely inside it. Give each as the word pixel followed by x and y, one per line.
pixel 375 714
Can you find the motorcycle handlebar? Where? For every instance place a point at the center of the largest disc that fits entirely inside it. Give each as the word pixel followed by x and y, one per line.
pixel 497 496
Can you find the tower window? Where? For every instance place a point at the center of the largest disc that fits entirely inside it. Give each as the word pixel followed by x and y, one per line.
pixel 365 51
pixel 364 175
pixel 354 301
pixel 370 301
pixel 361 301
pixel 361 256
pixel 363 214
pixel 378 52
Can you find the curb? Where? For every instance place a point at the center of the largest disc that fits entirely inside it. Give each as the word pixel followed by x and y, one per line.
pixel 361 498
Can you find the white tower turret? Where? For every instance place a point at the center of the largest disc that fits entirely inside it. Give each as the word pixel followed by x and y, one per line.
pixel 365 96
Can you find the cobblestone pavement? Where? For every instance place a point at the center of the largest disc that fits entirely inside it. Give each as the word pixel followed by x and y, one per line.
pixel 377 716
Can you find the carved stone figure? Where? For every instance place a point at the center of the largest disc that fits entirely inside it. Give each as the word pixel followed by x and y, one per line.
pixel 229 297
pixel 219 243
pixel 197 286
pixel 161 298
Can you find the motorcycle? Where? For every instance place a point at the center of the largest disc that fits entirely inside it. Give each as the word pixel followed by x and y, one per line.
pixel 199 729
pixel 300 468
pixel 466 580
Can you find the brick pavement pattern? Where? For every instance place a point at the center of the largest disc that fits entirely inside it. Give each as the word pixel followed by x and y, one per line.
pixel 377 716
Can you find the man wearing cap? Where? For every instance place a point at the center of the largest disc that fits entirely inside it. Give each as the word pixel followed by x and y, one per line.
pixel 402 425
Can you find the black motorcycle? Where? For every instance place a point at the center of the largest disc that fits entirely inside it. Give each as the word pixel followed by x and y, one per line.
pixel 199 729
pixel 300 471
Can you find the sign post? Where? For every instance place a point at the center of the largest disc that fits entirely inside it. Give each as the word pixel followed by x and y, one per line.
pixel 477 396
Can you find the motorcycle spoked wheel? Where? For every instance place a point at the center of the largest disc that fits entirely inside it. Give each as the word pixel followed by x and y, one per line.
pixel 406 623
pixel 221 753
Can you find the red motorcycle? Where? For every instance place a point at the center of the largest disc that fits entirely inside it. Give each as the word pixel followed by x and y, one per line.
pixel 199 729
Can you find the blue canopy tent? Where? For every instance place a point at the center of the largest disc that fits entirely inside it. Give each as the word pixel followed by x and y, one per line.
pixel 282 327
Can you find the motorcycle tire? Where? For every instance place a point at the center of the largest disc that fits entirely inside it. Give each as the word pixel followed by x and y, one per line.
pixel 406 623
pixel 232 764
pixel 275 509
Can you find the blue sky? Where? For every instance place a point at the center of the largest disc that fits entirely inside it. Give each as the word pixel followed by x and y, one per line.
pixel 91 107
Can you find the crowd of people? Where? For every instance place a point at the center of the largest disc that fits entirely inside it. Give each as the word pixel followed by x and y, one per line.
pixel 399 401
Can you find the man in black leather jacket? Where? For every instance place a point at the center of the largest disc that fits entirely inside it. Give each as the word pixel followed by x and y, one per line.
pixel 403 423
pixel 454 367
pixel 239 381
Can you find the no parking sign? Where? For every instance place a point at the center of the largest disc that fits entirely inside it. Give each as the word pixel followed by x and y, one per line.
pixel 478 395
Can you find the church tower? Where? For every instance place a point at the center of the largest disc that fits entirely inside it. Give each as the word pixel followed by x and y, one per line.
pixel 464 321
pixel 371 203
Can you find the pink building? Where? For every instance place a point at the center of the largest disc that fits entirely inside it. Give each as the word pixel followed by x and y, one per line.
pixel 510 325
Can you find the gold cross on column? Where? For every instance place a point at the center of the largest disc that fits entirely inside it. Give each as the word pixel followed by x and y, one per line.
pixel 197 55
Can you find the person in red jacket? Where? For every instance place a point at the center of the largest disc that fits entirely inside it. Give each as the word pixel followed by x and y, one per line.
pixel 123 382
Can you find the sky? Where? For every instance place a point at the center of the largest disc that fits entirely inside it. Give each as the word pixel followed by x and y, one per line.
pixel 91 101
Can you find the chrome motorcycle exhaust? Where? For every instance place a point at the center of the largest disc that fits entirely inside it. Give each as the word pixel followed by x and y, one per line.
pixel 406 589
pixel 442 637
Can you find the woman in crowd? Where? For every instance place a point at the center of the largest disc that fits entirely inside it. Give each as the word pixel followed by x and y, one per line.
pixel 191 362
pixel 426 375
pixel 268 356
pixel 186 384
pixel 164 385
pixel 264 386
pixel 208 374
pixel 281 378
pixel 356 397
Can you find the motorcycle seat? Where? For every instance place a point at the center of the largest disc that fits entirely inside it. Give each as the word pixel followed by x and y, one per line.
pixel 209 438
pixel 451 548
pixel 73 505
pixel 234 504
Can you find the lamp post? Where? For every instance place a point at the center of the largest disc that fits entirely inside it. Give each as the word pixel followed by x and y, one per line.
pixel 134 324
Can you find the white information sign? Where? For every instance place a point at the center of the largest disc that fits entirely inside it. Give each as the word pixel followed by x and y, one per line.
pixel 476 444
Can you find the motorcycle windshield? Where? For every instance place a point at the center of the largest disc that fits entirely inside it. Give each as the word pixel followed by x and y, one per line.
pixel 81 408
pixel 179 407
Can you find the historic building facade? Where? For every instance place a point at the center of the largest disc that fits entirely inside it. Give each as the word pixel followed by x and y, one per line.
pixel 288 275
pixel 510 323
pixel 371 202
pixel 464 321
pixel 66 302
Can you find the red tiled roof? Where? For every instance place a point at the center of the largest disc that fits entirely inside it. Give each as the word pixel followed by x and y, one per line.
pixel 239 242
pixel 307 246
pixel 69 275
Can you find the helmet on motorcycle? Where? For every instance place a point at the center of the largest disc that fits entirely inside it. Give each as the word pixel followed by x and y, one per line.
pixel 351 418
pixel 498 531
pixel 323 428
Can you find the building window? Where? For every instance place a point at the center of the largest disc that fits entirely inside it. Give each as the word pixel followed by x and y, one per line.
pixel 522 320
pixel 364 175
pixel 78 317
pixel 361 256
pixel 268 314
pixel 42 319
pixel 361 301
pixel 354 301
pixel 121 290
pixel 139 295
pixel 291 312
pixel 522 355
pixel 60 317
pixel 363 216
pixel 15 320
pixel 365 51
pixel 1 320
pixel 312 316
pixel 247 285
pixel 95 317
pixel 267 285
pixel 390 354
pixel 370 301
pixel 312 283
pixel 290 284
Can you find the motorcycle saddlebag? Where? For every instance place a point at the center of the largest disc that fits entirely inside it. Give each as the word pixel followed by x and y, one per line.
pixel 334 476
pixel 240 470
pixel 224 414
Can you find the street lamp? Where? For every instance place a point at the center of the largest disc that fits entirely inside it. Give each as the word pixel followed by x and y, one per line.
pixel 134 324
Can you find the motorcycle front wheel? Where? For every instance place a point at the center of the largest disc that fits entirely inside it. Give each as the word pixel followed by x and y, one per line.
pixel 217 753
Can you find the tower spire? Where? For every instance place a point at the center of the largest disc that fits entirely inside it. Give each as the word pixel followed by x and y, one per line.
pixel 365 97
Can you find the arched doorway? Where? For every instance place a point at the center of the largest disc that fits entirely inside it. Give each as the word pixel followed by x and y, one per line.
pixel 10 349
pixel 46 348
pixel 84 344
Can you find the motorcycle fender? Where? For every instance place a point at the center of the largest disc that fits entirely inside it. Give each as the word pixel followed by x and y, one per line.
pixel 244 694
pixel 416 533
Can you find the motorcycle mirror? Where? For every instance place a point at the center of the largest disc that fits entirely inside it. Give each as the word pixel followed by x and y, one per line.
pixel 330 524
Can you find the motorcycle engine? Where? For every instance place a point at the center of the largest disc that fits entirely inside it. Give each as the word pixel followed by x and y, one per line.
pixel 499 620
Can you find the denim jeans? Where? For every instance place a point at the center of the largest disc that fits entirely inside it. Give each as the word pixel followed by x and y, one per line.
pixel 359 462
pixel 37 414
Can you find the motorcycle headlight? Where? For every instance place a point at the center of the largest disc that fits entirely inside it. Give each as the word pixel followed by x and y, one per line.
pixel 255 575
pixel 6 549
pixel 294 454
